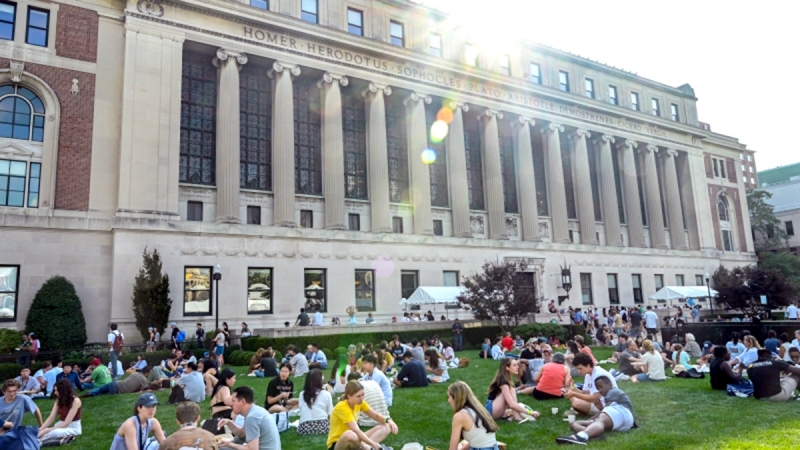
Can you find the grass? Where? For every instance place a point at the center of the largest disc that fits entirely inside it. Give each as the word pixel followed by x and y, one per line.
pixel 676 414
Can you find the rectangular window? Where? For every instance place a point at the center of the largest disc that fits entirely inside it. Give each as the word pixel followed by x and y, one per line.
pixel 634 101
pixel 654 106
pixel 194 211
pixel 613 290
pixel 727 240
pixel 752 180
pixel 261 4
pixel 306 218
pixel 354 222
pixel 397 149
pixel 198 120
pixel 586 289
pixel 259 290
pixel 253 215
pixel 637 288
pixel 355 22
pixel 307 137
pixel 505 65
pixel 435 47
pixel 673 109
pixel 612 95
pixel 9 282
pixel 8 16
pixel 355 145
pixel 34 179
pixel 679 280
pixel 722 168
pixel 741 156
pixel 309 11
pixel 744 168
pixel 750 169
pixel 365 290
pixel 315 282
pixel 450 278
pixel 38 23
pixel 397 33
pixel 409 280
pixel 12 182
pixel 438 229
pixel 471 55
pixel 563 81
pixel 659 279
pixel 716 167
pixel 197 291
pixel 750 157
pixel 698 280
pixel 789 227
pixel 397 225
pixel 589 85
pixel 536 73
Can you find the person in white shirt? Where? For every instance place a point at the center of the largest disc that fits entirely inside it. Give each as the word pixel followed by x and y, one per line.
pixel 497 351
pixel 317 320
pixel 316 405
pixel 112 336
pixel 297 360
pixel 796 341
pixel 791 312
pixel 587 401
pixel 650 321
pixel 750 355
pixel 368 363
pixel 406 318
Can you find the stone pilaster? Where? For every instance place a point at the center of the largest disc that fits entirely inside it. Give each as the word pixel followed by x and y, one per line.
pixel 672 192
pixel 417 138
pixel 630 191
pixel 333 150
pixel 493 175
pixel 608 189
pixel 655 219
pixel 526 181
pixel 228 63
pixel 457 159
pixel 583 186
pixel 283 143
pixel 555 177
pixel 378 157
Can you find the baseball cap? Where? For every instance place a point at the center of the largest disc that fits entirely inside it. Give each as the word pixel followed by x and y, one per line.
pixel 205 354
pixel 173 324
pixel 96 362
pixel 707 345
pixel 147 399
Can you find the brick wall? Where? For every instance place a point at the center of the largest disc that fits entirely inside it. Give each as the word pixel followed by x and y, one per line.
pixel 76 33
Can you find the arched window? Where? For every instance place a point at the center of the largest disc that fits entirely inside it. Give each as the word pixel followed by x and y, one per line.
pixel 722 208
pixel 21 114
pixel 725 225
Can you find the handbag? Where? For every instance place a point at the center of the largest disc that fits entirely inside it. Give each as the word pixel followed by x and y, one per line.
pixel 282 421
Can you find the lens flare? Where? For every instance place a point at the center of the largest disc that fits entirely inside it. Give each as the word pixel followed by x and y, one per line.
pixel 428 156
pixel 383 266
pixel 445 115
pixel 439 130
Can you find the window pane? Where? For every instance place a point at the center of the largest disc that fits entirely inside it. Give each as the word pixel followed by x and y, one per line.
pixel 37 18
pixel 354 17
pixel 612 281
pixel 310 6
pixel 18 168
pixel 4 166
pixel 259 290
pixel 8 279
pixel 408 282
pixel 314 281
pixel 37 37
pixel 197 290
pixel 450 278
pixel 6 31
pixel 7 12
pixel 365 290
pixel 263 4
pixel 396 29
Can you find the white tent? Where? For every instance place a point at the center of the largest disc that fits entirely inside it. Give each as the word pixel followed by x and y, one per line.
pixel 433 295
pixel 682 293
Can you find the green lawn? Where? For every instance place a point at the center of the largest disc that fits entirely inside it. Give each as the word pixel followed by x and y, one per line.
pixel 677 414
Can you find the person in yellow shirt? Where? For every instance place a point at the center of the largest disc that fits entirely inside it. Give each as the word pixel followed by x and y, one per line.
pixel 345 433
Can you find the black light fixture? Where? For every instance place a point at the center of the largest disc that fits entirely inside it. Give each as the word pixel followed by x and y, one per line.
pixel 566 279
pixel 216 277
pixel 710 300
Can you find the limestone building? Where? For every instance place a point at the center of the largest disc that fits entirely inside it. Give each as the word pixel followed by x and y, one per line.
pixel 783 183
pixel 338 152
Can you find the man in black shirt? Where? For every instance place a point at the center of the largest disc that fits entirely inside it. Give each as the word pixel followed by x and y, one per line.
pixel 765 374
pixel 303 319
pixel 412 374
pixel 636 324
pixel 530 351
pixel 280 391
pixel 457 339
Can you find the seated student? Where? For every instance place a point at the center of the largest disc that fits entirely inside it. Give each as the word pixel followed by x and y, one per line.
pixel 412 374
pixel 497 351
pixel 28 385
pixel 280 391
pixel 721 372
pixel 794 356
pixel 316 406
pixel 519 343
pixel 140 364
pixel 627 358
pixel 485 352
pixel 783 349
pixel 99 377
pixel 588 400
pixel 652 365
pixel 617 415
pixel 68 409
pixel 692 347
pixel 187 414
pixel 680 357
pixel 417 352
pixel 436 366
pixel 135 382
pixel 373 396
pixel 318 358
pixel 267 366
pixel 772 343
pixel 735 347
pixel 750 355
pixel 585 348
pixel 372 373
pixel 221 398
pixel 603 336
pixel 472 426
pixel 765 374
pixel 13 406
pixel 72 376
pixel 345 433
pixel 297 360
pixel 551 380
pixel 189 387
pixel 622 344
pixel 138 428
pixel 339 377
pixel 502 398
pixel 449 355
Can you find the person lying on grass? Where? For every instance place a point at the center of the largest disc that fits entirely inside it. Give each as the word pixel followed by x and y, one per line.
pixel 587 401
pixel 502 400
pixel 345 433
pixel 617 415
pixel 473 426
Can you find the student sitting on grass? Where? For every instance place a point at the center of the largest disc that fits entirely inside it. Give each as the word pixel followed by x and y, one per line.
pixel 765 373
pixel 187 414
pixel 472 426
pixel 316 406
pixel 221 398
pixel 372 373
pixel 436 367
pixel 280 391
pixel 497 350
pixel 652 365
pixel 680 357
pixel 486 351
pixel 345 433
pixel 135 431
pixel 551 380
pixel 68 409
pixel 412 374
pixel 502 399
pixel 587 401
pixel 617 415
pixel 720 370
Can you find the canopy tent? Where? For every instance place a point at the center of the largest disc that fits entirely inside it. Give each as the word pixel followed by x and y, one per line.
pixel 682 293
pixel 434 295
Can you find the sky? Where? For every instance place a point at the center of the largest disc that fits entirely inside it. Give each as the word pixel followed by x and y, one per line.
pixel 735 54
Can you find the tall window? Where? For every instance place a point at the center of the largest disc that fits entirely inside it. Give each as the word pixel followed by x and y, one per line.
pixel 563 80
pixel 397 225
pixel 698 280
pixel 8 16
pixel 634 101
pixel 259 290
pixel 655 107
pixel 539 172
pixel 365 290
pixel 586 289
pixel 471 55
pixel 397 150
pixel 194 211
pixel 505 65
pixel 536 73
pixel 21 114
pixel 508 170
pixel 354 222
pixel 198 120
pixel 722 209
pixel 38 24
pixel 255 136
pixel 438 170
pixel 14 177
pixel 438 228
pixel 316 284
pixel 34 180
pixel 261 4
pixel 397 33
pixel 197 291
pixel 306 218
pixel 409 280
pixel 450 278
pixel 727 240
pixel 435 47
pixel 659 280
pixel 253 215
pixel 355 146
pixel 355 22
pixel 9 282
pixel 613 290
pixel 679 280
pixel 309 11
pixel 472 145
pixel 612 95
pixel 673 108
pixel 637 288
pixel 307 138
pixel 789 226
pixel 589 83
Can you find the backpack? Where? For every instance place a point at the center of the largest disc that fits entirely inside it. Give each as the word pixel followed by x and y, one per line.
pixel 282 421
pixel 119 341
pixel 181 336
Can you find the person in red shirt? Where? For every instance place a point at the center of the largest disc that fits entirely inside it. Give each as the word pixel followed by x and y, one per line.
pixel 507 342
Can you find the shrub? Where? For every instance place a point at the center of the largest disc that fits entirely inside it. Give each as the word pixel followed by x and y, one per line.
pixel 9 371
pixel 328 353
pixel 56 316
pixel 339 352
pixel 150 300
pixel 9 340
pixel 230 349
pixel 278 357
pixel 544 329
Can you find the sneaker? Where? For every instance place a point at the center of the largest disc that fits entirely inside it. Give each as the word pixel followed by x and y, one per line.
pixel 251 374
pixel 571 439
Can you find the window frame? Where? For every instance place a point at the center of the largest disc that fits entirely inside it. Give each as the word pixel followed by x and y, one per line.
pixel 504 69
pixel 397 224
pixel 15 292
pixel 354 219
pixel 613 292
pixel 658 278
pixel 324 289
pixel 637 291
pixel 416 281
pixel 360 27
pixel 431 47
pixel 701 278
pixel 655 107
pixel 588 86
pixel 673 109
pixel 266 5
pixel 458 277
pixel 680 280
pixel 271 289
pixel 252 209
pixel 9 178
pixel 438 225
pixel 613 99
pixel 789 227
pixel 28 26
pixel 304 12
pixel 727 241
pixel 635 101
pixel 538 78
pixel 193 203
pixel 371 290
pixel 306 213
pixel 210 292
pixel 563 86
pixel 402 37
pixel 585 288
pixel 13 22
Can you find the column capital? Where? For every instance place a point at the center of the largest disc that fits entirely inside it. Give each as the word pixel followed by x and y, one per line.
pixel 603 138
pixel 278 67
pixel 374 88
pixel 330 78
pixel 417 97
pixel 223 54
pixel 488 113
pixel 523 121
pixel 455 105
pixel 551 127
pixel 580 133
pixel 630 144
pixel 670 153
pixel 645 148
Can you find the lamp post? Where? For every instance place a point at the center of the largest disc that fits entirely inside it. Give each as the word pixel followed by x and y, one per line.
pixel 216 277
pixel 566 279
pixel 710 300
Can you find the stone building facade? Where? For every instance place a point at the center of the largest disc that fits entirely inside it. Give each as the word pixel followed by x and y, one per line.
pixel 337 153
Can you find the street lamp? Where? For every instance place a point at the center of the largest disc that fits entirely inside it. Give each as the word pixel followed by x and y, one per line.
pixel 216 277
pixel 566 279
pixel 710 300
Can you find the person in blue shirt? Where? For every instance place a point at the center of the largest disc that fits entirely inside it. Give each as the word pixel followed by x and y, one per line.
pixel 371 373
pixel 73 377
pixel 696 314
pixel 772 343
pixel 318 359
pixel 485 349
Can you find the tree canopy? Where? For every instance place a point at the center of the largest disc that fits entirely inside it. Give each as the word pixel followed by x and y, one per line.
pixel 56 316
pixel 151 301
pixel 768 228
pixel 742 287
pixel 499 293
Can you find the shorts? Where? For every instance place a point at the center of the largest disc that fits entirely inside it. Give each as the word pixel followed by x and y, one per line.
pixel 219 350
pixel 593 410
pixel 539 395
pixel 332 446
pixel 314 427
pixel 488 405
pixel 645 377
pixel 621 417
pixel 651 331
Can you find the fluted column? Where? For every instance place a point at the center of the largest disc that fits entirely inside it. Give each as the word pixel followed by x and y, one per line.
pixel 493 174
pixel 630 191
pixel 228 63
pixel 608 189
pixel 333 150
pixel 526 181
pixel 583 186
pixel 555 179
pixel 283 143
pixel 378 157
pixel 417 138
pixel 457 159
pixel 672 192
pixel 655 219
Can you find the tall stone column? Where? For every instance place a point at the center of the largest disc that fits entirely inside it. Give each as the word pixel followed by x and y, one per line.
pixel 583 185
pixel 457 159
pixel 630 191
pixel 493 175
pixel 555 179
pixel 333 150
pixel 671 190
pixel 526 180
pixel 417 138
pixel 229 63
pixel 608 190
pixel 655 220
pixel 283 143
pixel 378 157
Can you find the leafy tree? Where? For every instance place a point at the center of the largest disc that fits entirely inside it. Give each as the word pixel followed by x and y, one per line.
pixel 786 263
pixel 56 315
pixel 767 227
pixel 742 287
pixel 151 301
pixel 499 294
